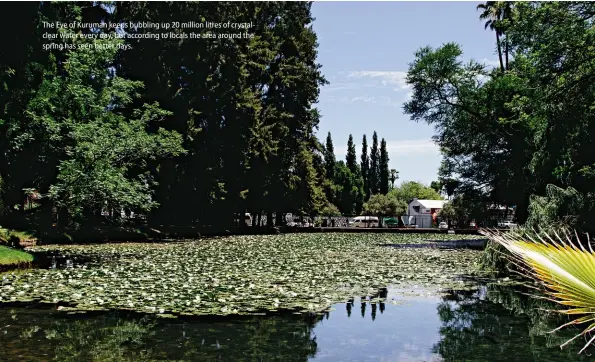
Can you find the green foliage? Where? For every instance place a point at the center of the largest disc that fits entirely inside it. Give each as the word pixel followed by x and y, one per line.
pixel 348 189
pixel 100 152
pixel 329 157
pixel 384 205
pixel 78 129
pixel 563 269
pixel 365 167
pixel 408 190
pixel 498 131
pixel 374 172
pixel 394 176
pixel 384 173
pixel 464 208
pixel 330 210
pixel 560 208
pixel 351 157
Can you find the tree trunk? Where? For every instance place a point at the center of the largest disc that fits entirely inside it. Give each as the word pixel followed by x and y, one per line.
pixel 499 51
pixel 279 218
pixel 506 51
pixel 270 222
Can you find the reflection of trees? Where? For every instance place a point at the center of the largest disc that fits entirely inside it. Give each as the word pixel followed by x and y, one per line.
pixel 36 335
pixel 500 324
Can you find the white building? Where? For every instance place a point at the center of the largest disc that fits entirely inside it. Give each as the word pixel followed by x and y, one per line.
pixel 422 213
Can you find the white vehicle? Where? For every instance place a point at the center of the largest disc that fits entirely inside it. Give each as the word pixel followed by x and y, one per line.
pixel 365 221
pixel 507 224
pixel 248 219
pixel 443 225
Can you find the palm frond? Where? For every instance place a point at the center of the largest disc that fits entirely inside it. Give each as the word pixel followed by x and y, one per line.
pixel 565 268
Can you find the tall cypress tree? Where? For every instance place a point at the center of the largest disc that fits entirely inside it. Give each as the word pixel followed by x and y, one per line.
pixel 365 166
pixel 329 158
pixel 384 171
pixel 351 158
pixel 374 166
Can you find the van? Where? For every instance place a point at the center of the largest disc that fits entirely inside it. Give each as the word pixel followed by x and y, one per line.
pixel 365 221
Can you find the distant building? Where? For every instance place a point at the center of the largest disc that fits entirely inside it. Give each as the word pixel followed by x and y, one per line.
pixel 423 213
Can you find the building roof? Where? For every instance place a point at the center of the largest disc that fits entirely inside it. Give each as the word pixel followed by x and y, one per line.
pixel 432 204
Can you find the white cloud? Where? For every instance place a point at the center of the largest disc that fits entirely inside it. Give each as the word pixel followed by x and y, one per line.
pixel 386 77
pixel 365 99
pixel 362 99
pixel 494 63
pixel 482 79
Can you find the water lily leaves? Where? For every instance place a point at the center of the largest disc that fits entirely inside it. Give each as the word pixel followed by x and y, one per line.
pixel 240 274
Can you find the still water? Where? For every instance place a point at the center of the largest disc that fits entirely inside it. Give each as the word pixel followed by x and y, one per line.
pixel 491 323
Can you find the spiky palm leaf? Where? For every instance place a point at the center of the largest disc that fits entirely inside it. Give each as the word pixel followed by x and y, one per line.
pixel 566 269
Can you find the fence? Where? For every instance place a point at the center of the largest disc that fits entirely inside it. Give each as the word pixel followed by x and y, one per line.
pixel 419 221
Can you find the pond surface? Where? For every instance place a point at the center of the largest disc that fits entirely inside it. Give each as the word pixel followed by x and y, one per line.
pixel 491 323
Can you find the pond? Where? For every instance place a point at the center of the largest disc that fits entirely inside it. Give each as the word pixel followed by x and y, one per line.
pixel 273 298
pixel 467 325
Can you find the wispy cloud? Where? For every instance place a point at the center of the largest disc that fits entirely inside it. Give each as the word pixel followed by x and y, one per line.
pixel 402 148
pixel 362 99
pixel 386 77
pixel 365 99
pixel 494 63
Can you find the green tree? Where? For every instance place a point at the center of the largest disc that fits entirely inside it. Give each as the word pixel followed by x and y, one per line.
pixel 384 173
pixel 383 205
pixel 409 190
pixel 329 157
pixel 365 167
pixel 101 149
pixel 374 173
pixel 349 193
pixel 394 176
pixel 481 146
pixel 351 157
pixel 229 99
pixel 436 185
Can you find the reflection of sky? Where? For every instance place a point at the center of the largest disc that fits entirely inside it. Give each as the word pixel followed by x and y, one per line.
pixel 405 332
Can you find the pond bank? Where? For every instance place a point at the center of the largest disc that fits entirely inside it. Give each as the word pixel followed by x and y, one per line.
pixel 13 259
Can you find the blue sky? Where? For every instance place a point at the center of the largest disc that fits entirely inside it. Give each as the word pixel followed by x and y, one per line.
pixel 365 49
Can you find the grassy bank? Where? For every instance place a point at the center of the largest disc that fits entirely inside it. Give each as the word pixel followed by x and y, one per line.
pixel 10 258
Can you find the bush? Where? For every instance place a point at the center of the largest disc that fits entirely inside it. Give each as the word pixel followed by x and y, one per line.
pixel 560 208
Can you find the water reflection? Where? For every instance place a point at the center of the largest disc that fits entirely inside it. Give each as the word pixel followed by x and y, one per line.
pixel 498 323
pixel 491 323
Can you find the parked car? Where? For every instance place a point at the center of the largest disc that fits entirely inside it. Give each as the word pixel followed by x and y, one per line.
pixel 350 222
pixel 443 225
pixel 473 225
pixel 507 225
pixel 365 221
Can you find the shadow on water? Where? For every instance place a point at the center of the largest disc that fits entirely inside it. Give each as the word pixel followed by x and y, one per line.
pixel 54 260
pixel 443 244
pixel 490 323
